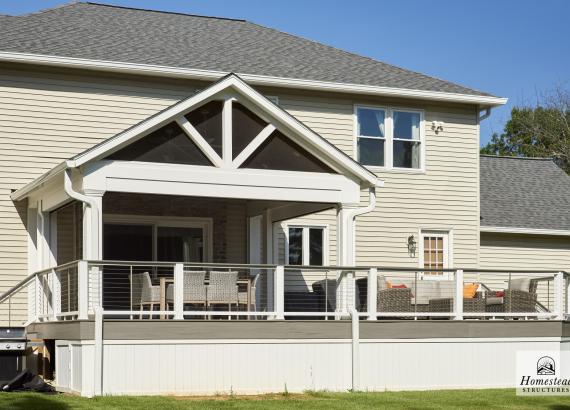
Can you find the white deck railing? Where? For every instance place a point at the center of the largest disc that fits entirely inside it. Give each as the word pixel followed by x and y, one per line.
pixel 178 291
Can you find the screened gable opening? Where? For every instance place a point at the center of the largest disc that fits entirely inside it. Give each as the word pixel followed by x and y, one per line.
pixel 169 144
pixel 280 153
pixel 207 120
pixel 245 127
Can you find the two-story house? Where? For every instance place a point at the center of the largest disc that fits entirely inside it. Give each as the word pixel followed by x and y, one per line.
pixel 211 168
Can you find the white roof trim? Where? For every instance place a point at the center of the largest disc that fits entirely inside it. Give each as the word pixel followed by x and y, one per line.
pixel 212 75
pixel 527 231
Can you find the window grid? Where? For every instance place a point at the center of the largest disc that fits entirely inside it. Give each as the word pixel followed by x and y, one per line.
pixel 433 255
pixel 389 137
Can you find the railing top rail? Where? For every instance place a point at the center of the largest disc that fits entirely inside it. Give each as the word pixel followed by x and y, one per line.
pixel 328 267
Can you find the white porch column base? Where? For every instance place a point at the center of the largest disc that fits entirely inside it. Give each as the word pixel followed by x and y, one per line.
pixel 346 285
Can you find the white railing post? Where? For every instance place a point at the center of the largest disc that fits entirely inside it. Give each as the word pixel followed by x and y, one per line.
pixel 355 330
pixel 567 293
pixel 179 291
pixel 559 295
pixel 567 290
pixel 98 353
pixel 55 294
pixel 82 290
pixel 458 305
pixel 279 292
pixel 372 293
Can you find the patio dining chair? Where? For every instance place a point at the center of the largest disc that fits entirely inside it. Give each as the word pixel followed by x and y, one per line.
pixel 194 289
pixel 144 293
pixel 222 289
pixel 243 296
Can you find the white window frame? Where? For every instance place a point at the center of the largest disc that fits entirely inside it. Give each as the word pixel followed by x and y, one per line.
pixel 389 138
pixel 306 247
pixel 447 235
pixel 206 224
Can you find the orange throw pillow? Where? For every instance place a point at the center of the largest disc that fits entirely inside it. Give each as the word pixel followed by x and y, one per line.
pixel 469 290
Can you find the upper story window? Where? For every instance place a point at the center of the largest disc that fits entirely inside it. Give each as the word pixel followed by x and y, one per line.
pixel 390 138
pixel 371 126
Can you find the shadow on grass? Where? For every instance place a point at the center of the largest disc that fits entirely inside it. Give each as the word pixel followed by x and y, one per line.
pixel 27 401
pixel 560 407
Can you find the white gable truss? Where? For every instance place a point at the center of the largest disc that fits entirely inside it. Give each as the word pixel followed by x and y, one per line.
pixel 226 176
pixel 232 88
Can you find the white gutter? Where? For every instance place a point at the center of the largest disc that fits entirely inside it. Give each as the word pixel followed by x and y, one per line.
pixel 525 231
pixel 93 237
pixel 263 80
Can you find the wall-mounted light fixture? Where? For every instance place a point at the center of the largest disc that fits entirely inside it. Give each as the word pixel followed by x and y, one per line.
pixel 412 245
pixel 437 126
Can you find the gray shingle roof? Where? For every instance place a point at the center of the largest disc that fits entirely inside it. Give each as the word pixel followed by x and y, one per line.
pixel 524 193
pixel 102 32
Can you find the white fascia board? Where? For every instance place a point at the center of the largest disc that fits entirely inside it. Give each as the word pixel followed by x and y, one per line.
pixel 526 231
pixel 194 180
pixel 212 75
pixel 38 182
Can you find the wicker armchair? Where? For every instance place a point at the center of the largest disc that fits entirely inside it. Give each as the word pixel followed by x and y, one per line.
pixel 513 300
pixel 222 289
pixel 194 289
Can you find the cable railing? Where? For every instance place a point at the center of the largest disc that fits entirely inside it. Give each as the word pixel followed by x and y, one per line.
pixel 146 290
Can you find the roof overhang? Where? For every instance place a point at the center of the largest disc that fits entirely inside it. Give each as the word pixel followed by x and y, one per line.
pixel 229 86
pixel 482 101
pixel 524 231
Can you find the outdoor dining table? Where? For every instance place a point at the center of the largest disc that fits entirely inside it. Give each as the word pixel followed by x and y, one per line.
pixel 165 281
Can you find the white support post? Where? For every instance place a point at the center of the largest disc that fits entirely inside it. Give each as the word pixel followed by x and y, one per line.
pixel 355 326
pixel 98 353
pixel 372 292
pixel 558 283
pixel 179 291
pixel 55 294
pixel 279 292
pixel 82 290
pixel 458 305
pixel 567 290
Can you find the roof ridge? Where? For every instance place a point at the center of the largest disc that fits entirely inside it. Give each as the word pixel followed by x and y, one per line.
pixel 401 69
pixel 160 11
pixel 514 157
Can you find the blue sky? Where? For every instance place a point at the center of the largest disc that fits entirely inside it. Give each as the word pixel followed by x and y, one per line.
pixel 510 48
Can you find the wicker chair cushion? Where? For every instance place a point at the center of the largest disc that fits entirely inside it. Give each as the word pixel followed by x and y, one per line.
pixel 520 284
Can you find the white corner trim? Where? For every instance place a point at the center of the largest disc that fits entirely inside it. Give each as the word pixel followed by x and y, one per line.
pixel 195 136
pixel 527 231
pixel 253 145
pixel 212 75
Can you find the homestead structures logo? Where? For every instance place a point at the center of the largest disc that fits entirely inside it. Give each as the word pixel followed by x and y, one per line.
pixel 545 366
pixel 542 373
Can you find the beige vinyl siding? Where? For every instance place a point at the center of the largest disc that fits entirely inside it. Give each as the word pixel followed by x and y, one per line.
pixel 517 251
pixel 523 252
pixel 445 197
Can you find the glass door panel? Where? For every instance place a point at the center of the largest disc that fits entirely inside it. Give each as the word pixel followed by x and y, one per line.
pixel 174 244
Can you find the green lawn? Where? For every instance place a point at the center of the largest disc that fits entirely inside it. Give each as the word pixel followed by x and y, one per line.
pixel 445 399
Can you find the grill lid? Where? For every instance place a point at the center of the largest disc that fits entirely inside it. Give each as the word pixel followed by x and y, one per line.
pixel 11 333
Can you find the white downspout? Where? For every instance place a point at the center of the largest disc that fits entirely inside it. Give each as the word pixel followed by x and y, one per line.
pixel 353 213
pixel 92 204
